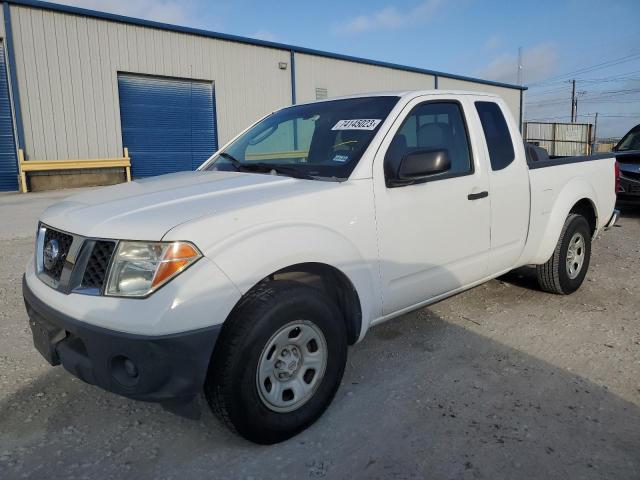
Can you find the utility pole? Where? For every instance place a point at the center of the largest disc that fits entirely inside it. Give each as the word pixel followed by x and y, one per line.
pixel 595 133
pixel 520 66
pixel 573 101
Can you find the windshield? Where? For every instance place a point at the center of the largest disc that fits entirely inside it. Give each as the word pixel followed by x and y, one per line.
pixel 322 141
pixel 631 141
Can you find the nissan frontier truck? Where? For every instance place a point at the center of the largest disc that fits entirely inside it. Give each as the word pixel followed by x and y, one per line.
pixel 248 279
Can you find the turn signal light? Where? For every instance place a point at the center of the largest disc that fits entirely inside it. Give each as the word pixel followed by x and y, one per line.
pixel 177 257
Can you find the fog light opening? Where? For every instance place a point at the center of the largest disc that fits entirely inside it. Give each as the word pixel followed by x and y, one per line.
pixel 130 368
pixel 125 371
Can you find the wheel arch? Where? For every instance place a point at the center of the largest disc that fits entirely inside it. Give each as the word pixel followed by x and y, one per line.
pixel 588 210
pixel 309 253
pixel 328 279
pixel 581 202
pixel 334 283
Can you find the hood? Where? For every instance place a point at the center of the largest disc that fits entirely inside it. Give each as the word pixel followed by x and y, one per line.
pixel 146 209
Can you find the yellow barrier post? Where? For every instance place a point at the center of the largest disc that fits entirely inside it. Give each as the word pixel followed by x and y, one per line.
pixel 23 176
pixel 128 167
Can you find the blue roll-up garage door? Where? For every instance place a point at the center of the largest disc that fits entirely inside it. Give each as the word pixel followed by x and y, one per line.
pixel 168 124
pixel 8 162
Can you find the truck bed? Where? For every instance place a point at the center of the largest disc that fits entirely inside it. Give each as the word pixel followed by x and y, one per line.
pixel 537 160
pixel 554 191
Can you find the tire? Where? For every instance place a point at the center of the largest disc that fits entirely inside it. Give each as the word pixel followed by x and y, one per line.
pixel 233 385
pixel 557 275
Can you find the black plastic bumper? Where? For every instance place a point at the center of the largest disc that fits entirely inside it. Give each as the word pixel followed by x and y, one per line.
pixel 151 368
pixel 629 190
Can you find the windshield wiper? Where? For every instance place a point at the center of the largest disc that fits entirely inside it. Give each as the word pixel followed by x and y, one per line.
pixel 233 160
pixel 264 167
pixel 288 170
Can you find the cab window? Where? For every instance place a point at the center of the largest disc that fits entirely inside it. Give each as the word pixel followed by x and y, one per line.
pixel 433 126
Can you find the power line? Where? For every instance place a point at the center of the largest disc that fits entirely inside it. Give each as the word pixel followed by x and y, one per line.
pixel 590 96
pixel 592 81
pixel 606 115
pixel 630 100
pixel 598 66
pixel 550 101
pixel 632 115
pixel 548 92
pixel 615 78
pixel 607 64
pixel 608 80
pixel 620 90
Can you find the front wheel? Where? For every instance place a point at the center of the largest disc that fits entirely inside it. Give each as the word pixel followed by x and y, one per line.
pixel 565 271
pixel 278 363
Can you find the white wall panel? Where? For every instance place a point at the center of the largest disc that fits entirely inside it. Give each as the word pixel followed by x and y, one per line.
pixel 341 77
pixel 67 75
pixel 1 21
pixel 67 68
pixel 510 95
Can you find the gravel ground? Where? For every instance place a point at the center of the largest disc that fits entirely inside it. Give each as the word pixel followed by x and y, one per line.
pixel 502 381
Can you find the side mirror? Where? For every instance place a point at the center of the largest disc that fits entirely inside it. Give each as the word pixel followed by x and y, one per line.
pixel 421 164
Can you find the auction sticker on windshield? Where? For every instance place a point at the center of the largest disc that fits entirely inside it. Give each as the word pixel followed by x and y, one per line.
pixel 357 124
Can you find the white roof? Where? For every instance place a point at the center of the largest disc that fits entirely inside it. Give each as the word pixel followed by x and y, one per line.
pixel 408 94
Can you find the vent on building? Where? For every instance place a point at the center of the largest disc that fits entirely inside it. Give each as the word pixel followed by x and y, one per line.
pixel 321 93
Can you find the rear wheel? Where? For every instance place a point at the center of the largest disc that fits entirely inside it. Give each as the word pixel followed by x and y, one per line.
pixel 565 271
pixel 278 363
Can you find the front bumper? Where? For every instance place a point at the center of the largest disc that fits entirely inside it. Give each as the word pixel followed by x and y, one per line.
pixel 152 368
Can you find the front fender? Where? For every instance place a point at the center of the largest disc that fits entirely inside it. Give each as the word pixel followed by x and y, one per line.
pixel 250 255
pixel 556 211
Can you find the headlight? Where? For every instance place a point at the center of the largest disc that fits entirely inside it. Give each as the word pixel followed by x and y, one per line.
pixel 140 268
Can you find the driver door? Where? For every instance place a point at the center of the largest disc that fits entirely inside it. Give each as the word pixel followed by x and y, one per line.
pixel 434 234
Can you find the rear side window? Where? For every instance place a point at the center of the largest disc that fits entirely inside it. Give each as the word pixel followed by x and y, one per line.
pixel 496 133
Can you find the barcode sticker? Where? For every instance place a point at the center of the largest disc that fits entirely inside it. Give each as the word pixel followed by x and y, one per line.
pixel 357 124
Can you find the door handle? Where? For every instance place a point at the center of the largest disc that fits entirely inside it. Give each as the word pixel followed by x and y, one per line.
pixel 477 196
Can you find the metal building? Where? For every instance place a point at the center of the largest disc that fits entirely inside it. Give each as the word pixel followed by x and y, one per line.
pixel 77 84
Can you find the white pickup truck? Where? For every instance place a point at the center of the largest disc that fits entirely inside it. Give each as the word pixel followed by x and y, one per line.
pixel 248 278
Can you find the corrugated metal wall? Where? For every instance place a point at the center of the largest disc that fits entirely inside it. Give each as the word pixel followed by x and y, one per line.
pixel 562 139
pixel 510 95
pixel 572 139
pixel 340 77
pixel 67 69
pixel 541 134
pixel 1 21
pixel 167 124
pixel 8 157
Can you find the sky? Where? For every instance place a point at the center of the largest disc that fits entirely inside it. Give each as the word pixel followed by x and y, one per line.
pixel 595 42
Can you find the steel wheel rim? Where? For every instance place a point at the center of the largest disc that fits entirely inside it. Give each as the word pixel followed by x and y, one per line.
pixel 291 366
pixel 575 255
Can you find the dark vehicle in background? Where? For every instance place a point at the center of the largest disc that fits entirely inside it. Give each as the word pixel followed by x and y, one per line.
pixel 627 153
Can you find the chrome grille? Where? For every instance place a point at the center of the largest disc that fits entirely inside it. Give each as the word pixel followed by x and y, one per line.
pixel 61 242
pixel 81 264
pixel 95 272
